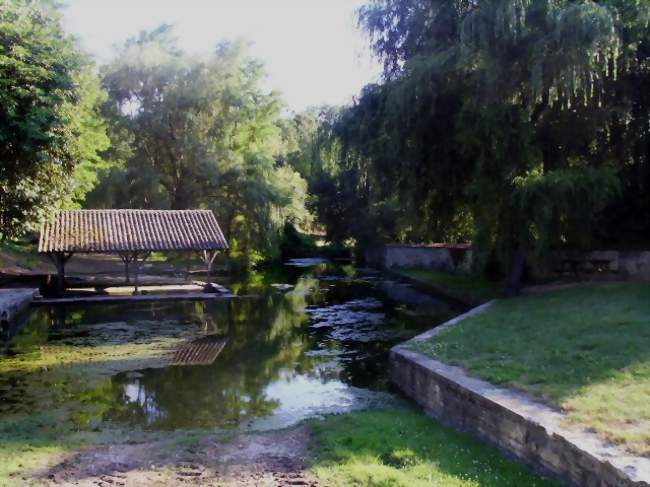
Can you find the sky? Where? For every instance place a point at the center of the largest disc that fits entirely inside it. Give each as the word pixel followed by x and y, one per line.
pixel 312 49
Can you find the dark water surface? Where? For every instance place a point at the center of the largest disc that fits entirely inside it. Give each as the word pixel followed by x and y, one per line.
pixel 314 341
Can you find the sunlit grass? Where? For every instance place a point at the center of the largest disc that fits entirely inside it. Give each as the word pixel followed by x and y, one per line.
pixel 585 350
pixel 403 447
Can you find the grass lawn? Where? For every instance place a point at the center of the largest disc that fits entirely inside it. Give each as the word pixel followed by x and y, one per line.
pixel 474 288
pixel 585 350
pixel 403 447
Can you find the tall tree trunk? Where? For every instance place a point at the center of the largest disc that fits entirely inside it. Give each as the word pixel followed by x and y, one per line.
pixel 179 201
pixel 516 276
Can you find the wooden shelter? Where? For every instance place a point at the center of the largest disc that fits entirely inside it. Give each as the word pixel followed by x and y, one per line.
pixel 131 234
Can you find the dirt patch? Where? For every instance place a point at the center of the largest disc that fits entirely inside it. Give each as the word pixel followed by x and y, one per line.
pixel 262 459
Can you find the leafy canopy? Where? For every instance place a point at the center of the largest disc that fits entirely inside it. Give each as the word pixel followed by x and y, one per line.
pixel 51 133
pixel 200 132
pixel 507 122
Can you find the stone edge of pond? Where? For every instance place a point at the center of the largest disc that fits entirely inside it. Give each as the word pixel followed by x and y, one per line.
pixel 522 427
pixel 456 297
pixel 14 301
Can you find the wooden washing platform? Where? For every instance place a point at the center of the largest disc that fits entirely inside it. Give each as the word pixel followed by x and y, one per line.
pixel 136 298
pixel 118 294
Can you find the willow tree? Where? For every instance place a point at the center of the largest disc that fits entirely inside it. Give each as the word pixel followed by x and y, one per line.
pixel 495 115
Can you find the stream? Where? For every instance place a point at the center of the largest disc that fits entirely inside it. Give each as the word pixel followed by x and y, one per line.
pixel 304 340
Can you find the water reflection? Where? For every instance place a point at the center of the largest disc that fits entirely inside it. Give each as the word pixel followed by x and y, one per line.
pixel 314 341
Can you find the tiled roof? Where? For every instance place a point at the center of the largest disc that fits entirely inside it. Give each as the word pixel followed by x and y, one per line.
pixel 116 231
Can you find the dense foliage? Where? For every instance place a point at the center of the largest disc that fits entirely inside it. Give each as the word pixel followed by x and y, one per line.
pixel 193 132
pixel 158 128
pixel 50 131
pixel 517 124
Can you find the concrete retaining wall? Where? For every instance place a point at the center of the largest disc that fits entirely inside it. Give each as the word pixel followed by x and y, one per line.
pixel 13 302
pixel 524 428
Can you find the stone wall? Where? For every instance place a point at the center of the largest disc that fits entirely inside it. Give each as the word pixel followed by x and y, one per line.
pixel 440 257
pixel 13 302
pixel 524 428
pixel 620 264
pixel 13 309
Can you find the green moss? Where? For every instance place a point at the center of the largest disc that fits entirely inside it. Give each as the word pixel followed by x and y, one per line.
pixel 585 350
pixel 403 447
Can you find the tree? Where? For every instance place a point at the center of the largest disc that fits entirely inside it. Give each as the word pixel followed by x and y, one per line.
pixel 48 107
pixel 500 118
pixel 201 133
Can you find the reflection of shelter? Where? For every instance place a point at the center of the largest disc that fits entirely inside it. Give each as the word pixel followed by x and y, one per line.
pixel 202 351
pixel 131 234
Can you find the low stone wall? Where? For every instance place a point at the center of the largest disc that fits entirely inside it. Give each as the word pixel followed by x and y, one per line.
pixel 13 302
pixel 440 257
pixel 524 428
pixel 619 264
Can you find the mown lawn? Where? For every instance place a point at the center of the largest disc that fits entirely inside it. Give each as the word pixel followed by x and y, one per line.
pixel 403 447
pixel 472 288
pixel 585 350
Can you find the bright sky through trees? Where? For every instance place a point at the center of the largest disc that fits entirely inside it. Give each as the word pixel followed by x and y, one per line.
pixel 312 49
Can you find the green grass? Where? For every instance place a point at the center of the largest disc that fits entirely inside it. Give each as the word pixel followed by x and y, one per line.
pixel 585 350
pixel 474 288
pixel 403 447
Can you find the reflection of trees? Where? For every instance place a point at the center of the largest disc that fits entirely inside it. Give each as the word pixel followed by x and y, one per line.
pixel 266 338
pixel 66 334
pixel 267 341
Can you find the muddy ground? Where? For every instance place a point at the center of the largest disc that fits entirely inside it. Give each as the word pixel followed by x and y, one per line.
pixel 275 458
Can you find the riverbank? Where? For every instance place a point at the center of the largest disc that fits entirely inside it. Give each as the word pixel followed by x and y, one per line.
pixel 89 396
pixel 590 357
pixel 399 447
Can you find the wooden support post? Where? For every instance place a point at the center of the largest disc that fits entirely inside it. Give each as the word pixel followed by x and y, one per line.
pixel 208 260
pixel 136 264
pixel 126 258
pixel 136 270
pixel 60 259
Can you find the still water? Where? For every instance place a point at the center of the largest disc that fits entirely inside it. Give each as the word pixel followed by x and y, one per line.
pixel 308 339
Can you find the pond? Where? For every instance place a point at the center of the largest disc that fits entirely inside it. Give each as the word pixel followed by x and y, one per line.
pixel 305 340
